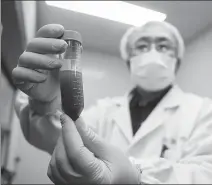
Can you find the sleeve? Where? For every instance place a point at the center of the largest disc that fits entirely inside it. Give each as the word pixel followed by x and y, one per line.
pixel 94 115
pixel 39 123
pixel 195 163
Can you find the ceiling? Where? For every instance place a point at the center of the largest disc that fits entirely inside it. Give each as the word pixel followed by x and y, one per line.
pixel 190 17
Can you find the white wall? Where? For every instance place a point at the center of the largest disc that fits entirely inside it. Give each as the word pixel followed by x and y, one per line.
pixel 103 76
pixel 29 15
pixel 195 74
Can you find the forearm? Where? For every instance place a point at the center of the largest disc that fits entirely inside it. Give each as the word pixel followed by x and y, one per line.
pixel 40 124
pixel 40 131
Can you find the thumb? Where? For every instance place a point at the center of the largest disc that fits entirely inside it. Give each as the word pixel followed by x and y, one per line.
pixel 79 156
pixel 93 142
pixel 71 137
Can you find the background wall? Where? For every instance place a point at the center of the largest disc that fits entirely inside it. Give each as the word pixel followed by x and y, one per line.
pixel 30 18
pixel 12 39
pixel 195 74
pixel 103 75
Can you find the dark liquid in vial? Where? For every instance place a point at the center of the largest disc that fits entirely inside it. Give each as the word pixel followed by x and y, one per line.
pixel 72 93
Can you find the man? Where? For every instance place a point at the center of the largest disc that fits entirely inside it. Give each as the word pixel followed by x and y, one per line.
pixel 156 133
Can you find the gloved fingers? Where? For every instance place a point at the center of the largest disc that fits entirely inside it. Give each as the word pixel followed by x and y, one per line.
pixel 53 172
pixel 52 177
pixel 22 74
pixel 38 61
pixel 93 142
pixel 82 159
pixel 47 46
pixel 49 174
pixel 64 166
pixel 50 31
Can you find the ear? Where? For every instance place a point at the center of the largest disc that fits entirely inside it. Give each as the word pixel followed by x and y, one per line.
pixel 177 65
pixel 128 64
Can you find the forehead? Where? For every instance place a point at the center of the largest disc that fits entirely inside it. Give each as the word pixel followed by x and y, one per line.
pixel 151 31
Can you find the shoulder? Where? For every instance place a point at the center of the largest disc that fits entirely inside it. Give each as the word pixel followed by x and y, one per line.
pixel 192 97
pixel 204 102
pixel 204 106
pixel 111 101
pixel 96 114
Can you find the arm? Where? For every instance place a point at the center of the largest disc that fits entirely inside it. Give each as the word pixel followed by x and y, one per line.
pixel 40 123
pixel 40 127
pixel 195 164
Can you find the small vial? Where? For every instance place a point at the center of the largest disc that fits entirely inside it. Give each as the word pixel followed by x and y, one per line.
pixel 71 84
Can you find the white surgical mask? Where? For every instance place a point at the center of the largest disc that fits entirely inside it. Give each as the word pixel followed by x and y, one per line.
pixel 153 71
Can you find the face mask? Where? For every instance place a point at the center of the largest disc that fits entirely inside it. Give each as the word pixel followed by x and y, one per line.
pixel 153 71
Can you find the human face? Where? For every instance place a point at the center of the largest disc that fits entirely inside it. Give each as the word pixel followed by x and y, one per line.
pixel 153 57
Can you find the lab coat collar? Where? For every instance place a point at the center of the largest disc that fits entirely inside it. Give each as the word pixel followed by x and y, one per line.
pixel 171 99
pixel 122 117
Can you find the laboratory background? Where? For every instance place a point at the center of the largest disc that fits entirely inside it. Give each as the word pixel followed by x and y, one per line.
pixel 104 73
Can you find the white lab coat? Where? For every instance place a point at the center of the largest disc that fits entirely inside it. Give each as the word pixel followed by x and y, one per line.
pixel 181 121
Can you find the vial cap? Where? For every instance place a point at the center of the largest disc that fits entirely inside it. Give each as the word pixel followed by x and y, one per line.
pixel 72 35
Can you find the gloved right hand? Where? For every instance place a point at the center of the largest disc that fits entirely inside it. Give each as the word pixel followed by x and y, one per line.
pixel 37 72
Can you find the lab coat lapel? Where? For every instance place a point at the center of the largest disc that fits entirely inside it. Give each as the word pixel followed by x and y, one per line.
pixel 159 115
pixel 122 118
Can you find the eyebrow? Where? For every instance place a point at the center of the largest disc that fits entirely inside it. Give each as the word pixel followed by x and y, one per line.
pixel 157 39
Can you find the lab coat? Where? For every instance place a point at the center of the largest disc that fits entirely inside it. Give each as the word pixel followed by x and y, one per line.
pixel 173 145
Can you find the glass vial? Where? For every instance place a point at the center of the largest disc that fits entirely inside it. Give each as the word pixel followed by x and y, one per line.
pixel 71 84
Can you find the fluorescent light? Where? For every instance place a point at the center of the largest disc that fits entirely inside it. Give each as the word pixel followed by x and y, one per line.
pixel 118 11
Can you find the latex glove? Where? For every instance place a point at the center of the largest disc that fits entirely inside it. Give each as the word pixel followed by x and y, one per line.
pixel 37 72
pixel 37 75
pixel 80 150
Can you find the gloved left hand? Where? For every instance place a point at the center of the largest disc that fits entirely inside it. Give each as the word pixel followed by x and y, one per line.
pixel 81 156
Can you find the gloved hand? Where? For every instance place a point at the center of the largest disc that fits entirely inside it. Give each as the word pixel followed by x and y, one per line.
pixel 81 156
pixel 37 75
pixel 37 72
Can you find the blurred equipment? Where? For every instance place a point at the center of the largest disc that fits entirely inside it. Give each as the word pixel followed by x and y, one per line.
pixel 9 132
pixel 12 38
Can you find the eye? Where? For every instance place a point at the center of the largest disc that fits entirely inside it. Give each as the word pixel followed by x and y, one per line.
pixel 162 48
pixel 142 48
